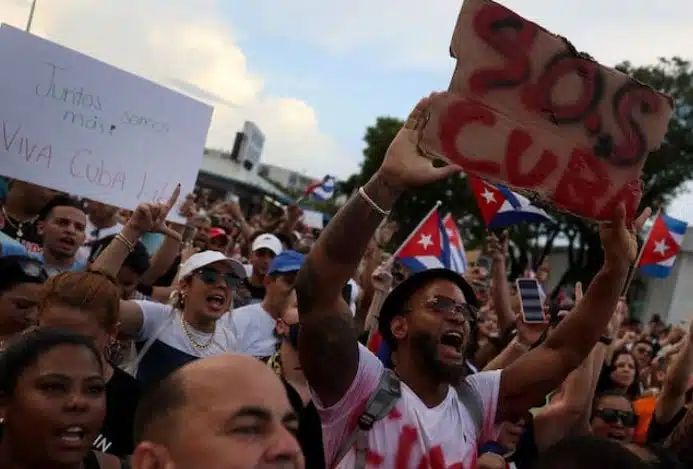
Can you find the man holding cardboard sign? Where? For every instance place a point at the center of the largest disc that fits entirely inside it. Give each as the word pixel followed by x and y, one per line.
pixel 527 110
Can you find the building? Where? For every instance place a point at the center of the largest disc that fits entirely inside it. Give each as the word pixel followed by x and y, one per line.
pixel 225 178
pixel 287 178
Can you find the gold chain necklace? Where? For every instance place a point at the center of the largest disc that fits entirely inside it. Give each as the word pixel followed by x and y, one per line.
pixel 191 338
pixel 16 224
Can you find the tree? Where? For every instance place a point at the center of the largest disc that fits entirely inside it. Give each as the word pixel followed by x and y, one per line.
pixel 665 173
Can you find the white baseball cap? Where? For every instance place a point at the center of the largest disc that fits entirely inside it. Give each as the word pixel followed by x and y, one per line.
pixel 268 241
pixel 204 258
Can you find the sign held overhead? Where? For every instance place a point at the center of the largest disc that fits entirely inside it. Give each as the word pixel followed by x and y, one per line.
pixel 527 110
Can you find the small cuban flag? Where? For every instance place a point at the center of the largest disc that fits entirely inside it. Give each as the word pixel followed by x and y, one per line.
pixel 427 247
pixel 501 207
pixel 662 245
pixel 458 257
pixel 322 190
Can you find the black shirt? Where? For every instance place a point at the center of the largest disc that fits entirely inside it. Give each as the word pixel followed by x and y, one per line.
pixel 309 429
pixel 30 237
pixel 248 294
pixel 122 395
pixel 657 431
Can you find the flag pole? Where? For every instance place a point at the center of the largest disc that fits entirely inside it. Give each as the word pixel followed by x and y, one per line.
pixel 634 267
pixel 423 220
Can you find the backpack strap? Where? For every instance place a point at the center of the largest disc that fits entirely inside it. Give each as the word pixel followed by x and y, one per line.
pixel 377 407
pixel 471 400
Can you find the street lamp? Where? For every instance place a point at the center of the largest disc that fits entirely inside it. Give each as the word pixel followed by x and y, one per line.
pixel 31 15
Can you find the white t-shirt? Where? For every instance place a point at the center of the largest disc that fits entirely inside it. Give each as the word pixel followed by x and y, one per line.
pixel 253 328
pixel 412 436
pixel 172 347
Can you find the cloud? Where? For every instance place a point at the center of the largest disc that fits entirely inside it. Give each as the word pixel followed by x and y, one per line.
pixel 416 34
pixel 185 45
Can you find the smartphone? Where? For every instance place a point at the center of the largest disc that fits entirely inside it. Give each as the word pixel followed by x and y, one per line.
pixel 189 234
pixel 484 262
pixel 530 300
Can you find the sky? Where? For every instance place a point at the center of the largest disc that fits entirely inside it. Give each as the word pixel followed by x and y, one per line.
pixel 314 74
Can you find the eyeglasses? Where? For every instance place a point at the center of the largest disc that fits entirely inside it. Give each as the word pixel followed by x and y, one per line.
pixel 445 305
pixel 627 418
pixel 211 276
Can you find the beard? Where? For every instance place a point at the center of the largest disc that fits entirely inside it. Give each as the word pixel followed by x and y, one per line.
pixel 426 346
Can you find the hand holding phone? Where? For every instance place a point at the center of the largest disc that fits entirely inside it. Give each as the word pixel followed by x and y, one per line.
pixel 531 301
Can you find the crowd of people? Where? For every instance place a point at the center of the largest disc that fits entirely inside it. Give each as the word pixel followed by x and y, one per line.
pixel 234 341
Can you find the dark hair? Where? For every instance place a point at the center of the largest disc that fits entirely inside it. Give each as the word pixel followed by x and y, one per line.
pixel 137 260
pixel 601 395
pixel 27 348
pixel 15 270
pixel 654 348
pixel 396 302
pixel 58 201
pixel 159 401
pixel 589 451
pixel 606 384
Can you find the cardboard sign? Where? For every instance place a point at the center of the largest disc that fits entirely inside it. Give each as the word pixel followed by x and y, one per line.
pixel 72 123
pixel 525 109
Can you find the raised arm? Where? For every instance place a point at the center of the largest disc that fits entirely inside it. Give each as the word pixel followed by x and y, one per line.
pixel 328 340
pixel 526 382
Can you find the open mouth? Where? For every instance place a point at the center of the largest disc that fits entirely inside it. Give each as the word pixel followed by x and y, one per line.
pixel 72 436
pixel 216 301
pixel 67 242
pixel 452 342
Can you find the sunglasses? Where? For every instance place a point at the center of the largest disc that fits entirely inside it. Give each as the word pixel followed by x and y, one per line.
pixel 627 418
pixel 444 305
pixel 211 276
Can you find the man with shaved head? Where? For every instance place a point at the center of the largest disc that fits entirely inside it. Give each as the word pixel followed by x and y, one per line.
pixel 225 411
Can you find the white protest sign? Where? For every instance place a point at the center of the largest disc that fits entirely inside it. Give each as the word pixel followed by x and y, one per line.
pixel 78 125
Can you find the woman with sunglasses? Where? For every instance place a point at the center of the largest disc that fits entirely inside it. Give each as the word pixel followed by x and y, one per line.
pixel 20 285
pixel 52 402
pixel 168 336
pixel 613 416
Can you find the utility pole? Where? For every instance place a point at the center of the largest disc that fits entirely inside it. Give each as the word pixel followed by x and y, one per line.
pixel 31 15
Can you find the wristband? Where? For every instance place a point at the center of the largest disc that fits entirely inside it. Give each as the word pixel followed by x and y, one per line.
pixel 606 340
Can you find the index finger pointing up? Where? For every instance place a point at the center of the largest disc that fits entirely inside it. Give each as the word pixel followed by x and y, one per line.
pixel 173 199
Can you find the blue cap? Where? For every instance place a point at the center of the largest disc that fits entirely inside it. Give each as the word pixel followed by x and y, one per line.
pixel 287 261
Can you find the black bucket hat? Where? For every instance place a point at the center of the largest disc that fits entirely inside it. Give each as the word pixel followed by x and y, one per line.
pixel 395 301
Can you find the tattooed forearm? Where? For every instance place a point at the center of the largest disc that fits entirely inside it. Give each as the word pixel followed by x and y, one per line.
pixel 328 348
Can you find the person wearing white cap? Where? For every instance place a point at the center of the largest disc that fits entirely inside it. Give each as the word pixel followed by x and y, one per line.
pixel 168 336
pixel 264 248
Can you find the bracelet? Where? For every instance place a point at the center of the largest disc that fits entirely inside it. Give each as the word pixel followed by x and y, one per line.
pixel 373 205
pixel 125 242
pixel 606 340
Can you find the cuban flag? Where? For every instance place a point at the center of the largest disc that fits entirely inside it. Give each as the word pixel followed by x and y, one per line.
pixel 322 190
pixel 501 207
pixel 427 247
pixel 662 245
pixel 458 257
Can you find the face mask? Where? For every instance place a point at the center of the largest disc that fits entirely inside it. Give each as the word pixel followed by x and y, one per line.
pixel 293 335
